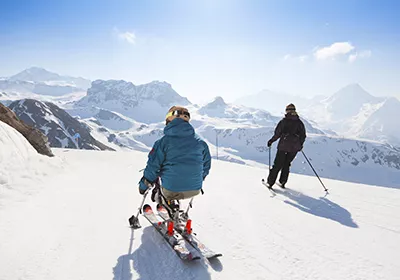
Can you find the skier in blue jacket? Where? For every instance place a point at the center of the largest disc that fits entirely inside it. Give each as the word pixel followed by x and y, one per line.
pixel 180 158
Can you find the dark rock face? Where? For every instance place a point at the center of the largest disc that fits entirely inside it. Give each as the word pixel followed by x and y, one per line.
pixel 57 124
pixel 37 139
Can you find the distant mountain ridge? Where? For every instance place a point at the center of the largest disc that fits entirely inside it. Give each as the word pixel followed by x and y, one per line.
pixel 144 103
pixel 56 124
pixel 41 84
pixel 40 75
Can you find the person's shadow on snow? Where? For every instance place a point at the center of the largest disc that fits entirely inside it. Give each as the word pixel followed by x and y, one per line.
pixel 154 260
pixel 321 207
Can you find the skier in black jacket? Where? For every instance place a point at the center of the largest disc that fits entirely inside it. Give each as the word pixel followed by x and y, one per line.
pixel 292 134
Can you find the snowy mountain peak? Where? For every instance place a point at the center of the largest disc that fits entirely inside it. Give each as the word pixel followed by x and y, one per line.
pixel 348 102
pixel 353 92
pixel 145 103
pixel 392 101
pixel 217 102
pixel 161 84
pixel 42 76
pixel 35 74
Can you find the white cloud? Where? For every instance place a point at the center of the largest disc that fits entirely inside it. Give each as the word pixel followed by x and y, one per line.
pixel 352 57
pixel 303 58
pixel 129 37
pixel 362 54
pixel 334 50
pixel 339 49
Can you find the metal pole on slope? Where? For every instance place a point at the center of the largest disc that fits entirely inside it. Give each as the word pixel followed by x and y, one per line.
pixel 134 220
pixel 325 189
pixel 216 141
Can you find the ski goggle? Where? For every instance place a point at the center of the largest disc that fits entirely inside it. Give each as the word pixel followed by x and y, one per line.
pixel 178 113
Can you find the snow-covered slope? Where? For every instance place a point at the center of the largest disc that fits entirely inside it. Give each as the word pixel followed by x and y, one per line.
pixel 56 124
pixel 334 157
pixel 21 167
pixel 76 227
pixel 144 103
pixel 113 120
pixel 118 140
pixel 14 150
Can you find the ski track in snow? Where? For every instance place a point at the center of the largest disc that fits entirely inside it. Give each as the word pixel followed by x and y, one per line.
pixel 75 226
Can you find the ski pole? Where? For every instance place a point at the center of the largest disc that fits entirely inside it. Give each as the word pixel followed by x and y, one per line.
pixel 189 206
pixel 314 171
pixel 269 159
pixel 134 220
pixel 269 164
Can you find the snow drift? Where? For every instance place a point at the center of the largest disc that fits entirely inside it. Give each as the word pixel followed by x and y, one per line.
pixel 20 164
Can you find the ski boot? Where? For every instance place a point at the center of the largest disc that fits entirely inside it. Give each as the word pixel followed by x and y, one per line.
pixel 282 185
pixel 178 217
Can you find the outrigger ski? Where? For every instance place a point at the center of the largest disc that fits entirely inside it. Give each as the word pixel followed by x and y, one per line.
pixel 179 244
pixel 188 235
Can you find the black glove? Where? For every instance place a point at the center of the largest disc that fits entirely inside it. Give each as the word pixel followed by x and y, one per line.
pixel 269 144
pixel 141 191
pixel 143 185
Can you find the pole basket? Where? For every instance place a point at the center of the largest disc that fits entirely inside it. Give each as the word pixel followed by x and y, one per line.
pixel 134 222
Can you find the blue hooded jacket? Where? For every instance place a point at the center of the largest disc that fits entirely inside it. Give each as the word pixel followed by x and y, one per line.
pixel 180 158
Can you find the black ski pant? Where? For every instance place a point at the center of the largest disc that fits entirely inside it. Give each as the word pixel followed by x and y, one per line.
pixel 281 163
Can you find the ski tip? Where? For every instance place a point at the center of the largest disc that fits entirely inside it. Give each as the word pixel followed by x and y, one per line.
pixel 160 207
pixel 146 208
pixel 214 256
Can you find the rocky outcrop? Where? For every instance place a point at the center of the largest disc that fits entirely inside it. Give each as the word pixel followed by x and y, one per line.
pixel 60 127
pixel 36 138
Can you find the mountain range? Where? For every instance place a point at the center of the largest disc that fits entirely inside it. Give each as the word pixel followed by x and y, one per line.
pixel 120 115
pixel 40 83
pixel 350 112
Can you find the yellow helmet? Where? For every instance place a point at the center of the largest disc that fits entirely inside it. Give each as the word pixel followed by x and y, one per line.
pixel 177 112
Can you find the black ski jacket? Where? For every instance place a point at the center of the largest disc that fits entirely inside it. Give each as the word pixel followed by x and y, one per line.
pixel 291 132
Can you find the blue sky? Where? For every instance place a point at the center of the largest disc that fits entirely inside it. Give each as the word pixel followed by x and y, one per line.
pixel 206 48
